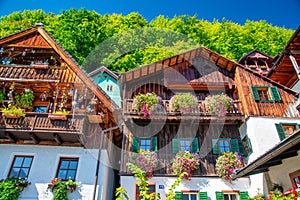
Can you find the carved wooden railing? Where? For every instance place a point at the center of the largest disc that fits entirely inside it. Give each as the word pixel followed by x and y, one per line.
pixel 36 122
pixel 165 108
pixel 207 165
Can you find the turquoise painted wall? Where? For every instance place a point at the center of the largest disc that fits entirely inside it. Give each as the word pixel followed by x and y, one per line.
pixel 108 85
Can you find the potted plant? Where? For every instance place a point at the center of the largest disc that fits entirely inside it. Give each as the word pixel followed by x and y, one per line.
pixel 185 162
pixel 2 96
pixel 25 100
pixel 146 160
pixel 184 103
pixel 60 114
pixel 227 163
pixel 60 188
pixel 145 103
pixel 11 111
pixel 218 104
pixel 11 188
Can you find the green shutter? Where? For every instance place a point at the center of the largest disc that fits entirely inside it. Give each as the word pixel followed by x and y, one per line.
pixel 136 144
pixel 195 145
pixel 255 93
pixel 297 126
pixel 154 143
pixel 203 196
pixel 250 151
pixel 219 196
pixel 175 145
pixel 242 149
pixel 243 195
pixel 234 145
pixel 280 131
pixel 275 94
pixel 215 146
pixel 178 196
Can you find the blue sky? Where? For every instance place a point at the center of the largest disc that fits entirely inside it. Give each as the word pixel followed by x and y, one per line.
pixel 282 13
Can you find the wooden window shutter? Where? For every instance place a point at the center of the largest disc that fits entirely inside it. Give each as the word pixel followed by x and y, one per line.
pixel 175 145
pixel 178 196
pixel 203 196
pixel 242 149
pixel 195 145
pixel 136 144
pixel 280 131
pixel 250 151
pixel 154 143
pixel 215 146
pixel 234 145
pixel 255 93
pixel 275 94
pixel 244 196
pixel 219 196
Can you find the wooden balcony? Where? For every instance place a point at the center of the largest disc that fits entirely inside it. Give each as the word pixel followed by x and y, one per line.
pixel 37 127
pixel 207 166
pixel 201 111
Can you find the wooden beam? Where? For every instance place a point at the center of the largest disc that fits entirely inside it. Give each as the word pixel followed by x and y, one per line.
pixel 271 163
pixel 10 137
pixel 34 138
pixel 57 138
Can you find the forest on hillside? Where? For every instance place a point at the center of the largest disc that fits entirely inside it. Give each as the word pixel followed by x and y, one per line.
pixel 125 42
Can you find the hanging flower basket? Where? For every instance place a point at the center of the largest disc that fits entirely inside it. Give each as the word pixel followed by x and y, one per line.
pixel 184 103
pixel 185 162
pixel 60 188
pixel 145 160
pixel 144 104
pixel 218 104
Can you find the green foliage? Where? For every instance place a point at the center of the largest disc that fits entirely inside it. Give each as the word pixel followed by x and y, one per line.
pixel 13 110
pixel 185 162
pixel 171 193
pixel 2 96
pixel 81 31
pixel 11 188
pixel 121 194
pixel 184 103
pixel 25 100
pixel 60 188
pixel 143 103
pixel 145 160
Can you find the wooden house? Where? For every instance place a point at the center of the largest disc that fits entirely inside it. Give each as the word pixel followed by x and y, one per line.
pixel 257 104
pixel 67 122
pixel 108 81
pixel 286 68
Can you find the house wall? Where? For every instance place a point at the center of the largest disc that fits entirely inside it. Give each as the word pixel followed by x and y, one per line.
pixel 44 167
pixel 103 82
pixel 263 136
pixel 280 174
pixel 203 184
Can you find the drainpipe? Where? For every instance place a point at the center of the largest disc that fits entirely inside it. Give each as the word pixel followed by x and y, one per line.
pixel 99 157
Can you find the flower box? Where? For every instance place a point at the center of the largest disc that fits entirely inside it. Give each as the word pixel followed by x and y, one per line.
pixel 57 117
pixel 40 66
pixel 11 116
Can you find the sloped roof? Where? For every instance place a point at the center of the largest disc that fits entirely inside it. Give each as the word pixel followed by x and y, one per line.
pixel 102 69
pixel 255 54
pixel 37 36
pixel 283 70
pixel 274 156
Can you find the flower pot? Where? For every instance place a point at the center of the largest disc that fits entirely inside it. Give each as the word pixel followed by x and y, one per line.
pixel 11 116
pixel 51 186
pixel 57 117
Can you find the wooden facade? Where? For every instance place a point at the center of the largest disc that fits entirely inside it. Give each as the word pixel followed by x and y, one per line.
pixel 32 59
pixel 200 72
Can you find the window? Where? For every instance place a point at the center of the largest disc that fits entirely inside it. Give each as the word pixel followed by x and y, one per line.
pixel 67 168
pixel 265 94
pixel 185 144
pixel 109 87
pixel 143 143
pixel 286 129
pixel 225 145
pixel 39 109
pixel 191 195
pixel 20 167
pixel 151 190
pixel 232 195
pixel 295 177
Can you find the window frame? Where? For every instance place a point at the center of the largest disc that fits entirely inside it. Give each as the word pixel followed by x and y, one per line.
pixel 293 175
pixel 109 87
pixel 21 167
pixel 146 139
pixel 233 142
pixel 68 159
pixel 135 146
pixel 185 146
pixel 194 144
pixel 273 94
pixel 280 129
pixel 224 140
pixel 191 192
pixel 237 195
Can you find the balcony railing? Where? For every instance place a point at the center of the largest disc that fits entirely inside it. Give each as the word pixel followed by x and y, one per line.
pixel 165 108
pixel 70 130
